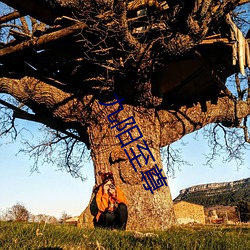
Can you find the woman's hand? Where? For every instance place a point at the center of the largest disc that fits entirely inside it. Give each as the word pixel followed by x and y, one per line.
pixel 112 191
pixel 106 188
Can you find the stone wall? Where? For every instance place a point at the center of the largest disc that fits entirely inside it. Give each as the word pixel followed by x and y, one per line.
pixel 186 212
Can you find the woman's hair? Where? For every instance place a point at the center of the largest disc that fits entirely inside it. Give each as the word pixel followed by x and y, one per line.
pixel 107 176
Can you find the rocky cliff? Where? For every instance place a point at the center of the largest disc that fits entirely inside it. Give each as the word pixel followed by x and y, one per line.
pixel 225 193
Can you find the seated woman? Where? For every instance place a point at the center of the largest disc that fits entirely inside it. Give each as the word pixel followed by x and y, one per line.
pixel 112 204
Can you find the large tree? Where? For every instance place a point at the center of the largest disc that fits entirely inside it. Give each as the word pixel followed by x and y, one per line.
pixel 68 61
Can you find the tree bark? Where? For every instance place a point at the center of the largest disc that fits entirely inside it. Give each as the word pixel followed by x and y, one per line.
pixel 177 123
pixel 146 211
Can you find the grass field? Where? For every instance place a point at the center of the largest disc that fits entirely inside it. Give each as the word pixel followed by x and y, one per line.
pixel 15 235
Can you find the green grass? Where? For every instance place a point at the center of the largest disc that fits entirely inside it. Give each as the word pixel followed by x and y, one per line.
pixel 15 235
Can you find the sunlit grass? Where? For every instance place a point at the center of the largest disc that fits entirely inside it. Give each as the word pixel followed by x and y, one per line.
pixel 39 236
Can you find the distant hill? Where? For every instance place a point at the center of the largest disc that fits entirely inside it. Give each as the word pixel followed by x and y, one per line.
pixel 225 193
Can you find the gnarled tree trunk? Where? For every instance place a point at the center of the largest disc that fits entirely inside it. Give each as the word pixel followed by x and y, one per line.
pixel 146 210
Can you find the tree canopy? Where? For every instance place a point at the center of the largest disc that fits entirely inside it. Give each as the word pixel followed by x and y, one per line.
pixel 155 54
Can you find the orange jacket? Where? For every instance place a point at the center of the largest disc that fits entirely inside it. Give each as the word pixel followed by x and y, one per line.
pixel 102 200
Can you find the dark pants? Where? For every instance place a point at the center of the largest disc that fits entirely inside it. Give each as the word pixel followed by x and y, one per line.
pixel 116 219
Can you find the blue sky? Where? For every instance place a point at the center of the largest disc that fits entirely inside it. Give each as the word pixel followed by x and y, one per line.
pixel 51 192
pixel 48 192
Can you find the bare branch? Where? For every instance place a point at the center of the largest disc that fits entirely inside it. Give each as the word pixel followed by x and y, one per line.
pixel 227 144
pixel 24 25
pixel 65 152
pixel 7 122
pixel 237 81
pixel 173 159
pixel 245 128
pixel 9 17
pixel 37 42
pixel 41 10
